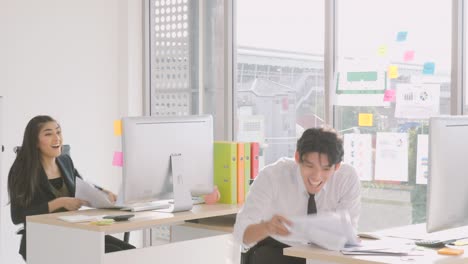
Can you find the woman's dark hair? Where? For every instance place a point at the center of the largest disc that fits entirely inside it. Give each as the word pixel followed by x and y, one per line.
pixel 23 179
pixel 321 140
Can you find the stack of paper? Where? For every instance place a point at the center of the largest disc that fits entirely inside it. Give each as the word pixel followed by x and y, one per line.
pixel 95 197
pixel 80 218
pixel 328 230
pixel 387 251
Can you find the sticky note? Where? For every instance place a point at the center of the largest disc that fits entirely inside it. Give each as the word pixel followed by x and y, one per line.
pixel 118 159
pixel 103 222
pixel 389 96
pixel 393 71
pixel 429 68
pixel 118 127
pixel 450 251
pixel 401 36
pixel 460 242
pixel 366 119
pixel 409 55
pixel 382 50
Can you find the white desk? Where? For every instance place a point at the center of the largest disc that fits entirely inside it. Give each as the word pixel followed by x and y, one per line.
pixel 50 240
pixel 428 255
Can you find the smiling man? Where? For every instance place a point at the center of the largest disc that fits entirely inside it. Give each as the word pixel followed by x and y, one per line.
pixel 314 181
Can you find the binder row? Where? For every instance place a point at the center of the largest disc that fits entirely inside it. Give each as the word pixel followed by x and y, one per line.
pixel 235 165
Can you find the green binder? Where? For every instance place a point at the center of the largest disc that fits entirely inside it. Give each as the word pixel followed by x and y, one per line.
pixel 225 170
pixel 247 168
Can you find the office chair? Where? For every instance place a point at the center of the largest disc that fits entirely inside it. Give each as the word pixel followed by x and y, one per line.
pixel 65 151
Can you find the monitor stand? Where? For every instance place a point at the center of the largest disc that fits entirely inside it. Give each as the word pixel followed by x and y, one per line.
pixel 182 197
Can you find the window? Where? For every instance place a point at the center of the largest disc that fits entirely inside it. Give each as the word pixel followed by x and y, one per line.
pixel 184 61
pixel 393 72
pixel 279 90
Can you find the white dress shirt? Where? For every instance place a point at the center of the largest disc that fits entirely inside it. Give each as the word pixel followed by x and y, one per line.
pixel 279 189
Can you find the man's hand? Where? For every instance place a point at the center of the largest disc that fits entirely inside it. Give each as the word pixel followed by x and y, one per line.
pixel 278 225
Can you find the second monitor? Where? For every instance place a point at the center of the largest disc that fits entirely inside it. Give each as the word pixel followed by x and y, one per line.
pixel 148 143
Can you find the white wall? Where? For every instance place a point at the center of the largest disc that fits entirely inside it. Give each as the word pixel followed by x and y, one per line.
pixel 78 61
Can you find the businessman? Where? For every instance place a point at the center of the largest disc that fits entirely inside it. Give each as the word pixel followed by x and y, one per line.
pixel 315 180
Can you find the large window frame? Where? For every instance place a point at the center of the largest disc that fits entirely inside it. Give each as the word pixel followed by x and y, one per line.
pixel 226 129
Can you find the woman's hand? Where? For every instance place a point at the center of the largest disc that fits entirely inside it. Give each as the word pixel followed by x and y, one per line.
pixel 69 203
pixel 72 204
pixel 111 196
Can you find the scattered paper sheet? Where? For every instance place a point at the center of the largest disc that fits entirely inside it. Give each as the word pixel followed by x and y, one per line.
pixel 95 197
pixel 385 247
pixel 330 230
pixel 80 218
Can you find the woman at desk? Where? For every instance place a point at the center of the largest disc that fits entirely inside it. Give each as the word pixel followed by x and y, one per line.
pixel 42 181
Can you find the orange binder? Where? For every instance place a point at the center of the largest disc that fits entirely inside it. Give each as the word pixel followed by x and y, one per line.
pixel 240 173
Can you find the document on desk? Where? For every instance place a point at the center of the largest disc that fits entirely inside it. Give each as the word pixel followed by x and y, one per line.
pixel 383 248
pixel 95 197
pixel 330 230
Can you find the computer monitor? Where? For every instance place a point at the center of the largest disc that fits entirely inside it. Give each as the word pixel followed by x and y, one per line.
pixel 148 143
pixel 447 196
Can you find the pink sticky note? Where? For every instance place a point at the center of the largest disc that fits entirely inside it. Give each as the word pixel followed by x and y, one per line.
pixel 409 55
pixel 118 159
pixel 389 96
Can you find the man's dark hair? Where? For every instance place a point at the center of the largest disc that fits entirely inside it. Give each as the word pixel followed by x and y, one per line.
pixel 321 140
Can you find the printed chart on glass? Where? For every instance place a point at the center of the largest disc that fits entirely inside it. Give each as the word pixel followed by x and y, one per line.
pixel 417 101
pixel 422 166
pixel 358 153
pixel 362 84
pixel 391 157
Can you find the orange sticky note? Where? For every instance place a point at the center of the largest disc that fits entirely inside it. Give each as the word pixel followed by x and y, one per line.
pixel 118 127
pixel 366 119
pixel 450 251
pixel 393 71
pixel 118 159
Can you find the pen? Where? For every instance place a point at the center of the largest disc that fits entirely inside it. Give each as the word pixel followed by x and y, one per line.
pixel 99 188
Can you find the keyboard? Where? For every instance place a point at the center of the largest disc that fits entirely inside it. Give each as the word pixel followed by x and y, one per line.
pixel 146 207
pixel 433 243
pixel 195 200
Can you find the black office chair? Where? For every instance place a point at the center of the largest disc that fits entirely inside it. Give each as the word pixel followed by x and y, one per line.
pixel 65 151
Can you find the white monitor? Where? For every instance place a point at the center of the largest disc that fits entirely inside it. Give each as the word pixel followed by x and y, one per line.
pixel 447 196
pixel 147 144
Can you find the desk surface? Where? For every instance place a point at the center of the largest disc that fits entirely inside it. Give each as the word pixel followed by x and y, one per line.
pixel 426 255
pixel 430 256
pixel 140 221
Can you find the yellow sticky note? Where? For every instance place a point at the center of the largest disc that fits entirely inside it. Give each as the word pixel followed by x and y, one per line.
pixel 393 71
pixel 366 119
pixel 118 127
pixel 463 242
pixel 382 50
